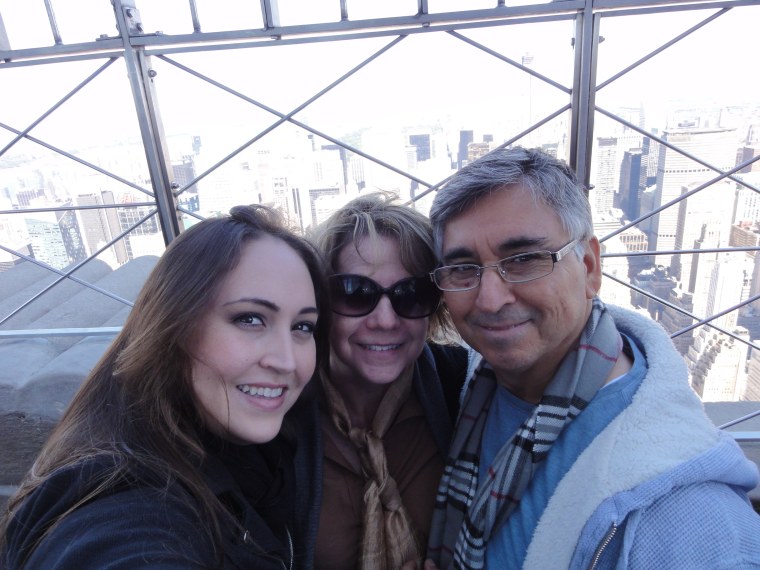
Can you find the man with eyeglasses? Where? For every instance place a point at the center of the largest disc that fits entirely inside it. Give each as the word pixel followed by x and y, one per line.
pixel 579 442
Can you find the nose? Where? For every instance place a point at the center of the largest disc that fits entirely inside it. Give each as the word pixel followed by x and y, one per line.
pixel 494 292
pixel 383 316
pixel 279 353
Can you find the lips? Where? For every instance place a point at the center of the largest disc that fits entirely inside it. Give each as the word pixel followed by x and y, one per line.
pixel 499 324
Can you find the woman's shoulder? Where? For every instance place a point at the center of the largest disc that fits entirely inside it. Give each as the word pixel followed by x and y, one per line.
pixel 134 524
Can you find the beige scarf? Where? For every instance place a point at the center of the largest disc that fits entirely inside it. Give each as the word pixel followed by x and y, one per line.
pixel 389 539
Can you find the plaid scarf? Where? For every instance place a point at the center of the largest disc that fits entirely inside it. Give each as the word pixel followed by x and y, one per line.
pixel 467 512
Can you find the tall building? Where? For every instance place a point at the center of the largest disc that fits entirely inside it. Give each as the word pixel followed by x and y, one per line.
pixel 101 225
pixel 674 321
pixel 747 206
pixel 477 149
pixel 708 211
pixel 629 189
pixel 752 390
pixel 607 175
pixel 422 146
pixel 465 138
pixel 143 239
pixel 616 267
pixel 55 237
pixel 746 153
pixel 718 373
pixel 714 146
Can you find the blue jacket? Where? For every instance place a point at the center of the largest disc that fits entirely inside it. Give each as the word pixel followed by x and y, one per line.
pixel 641 479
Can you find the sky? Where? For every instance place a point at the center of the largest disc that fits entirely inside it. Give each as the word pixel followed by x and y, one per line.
pixel 425 78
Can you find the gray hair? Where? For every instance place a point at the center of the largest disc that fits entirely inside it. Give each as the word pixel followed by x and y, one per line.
pixel 549 180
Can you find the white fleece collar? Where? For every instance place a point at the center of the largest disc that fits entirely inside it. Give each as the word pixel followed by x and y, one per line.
pixel 664 426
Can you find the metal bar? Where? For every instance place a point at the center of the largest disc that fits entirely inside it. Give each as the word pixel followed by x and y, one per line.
pixel 63 59
pixel 77 159
pixel 343 10
pixel 582 125
pixel 564 10
pixel 675 200
pixel 662 48
pixel 287 117
pixel 44 333
pixel 60 102
pixel 151 129
pixel 720 314
pixel 740 420
pixel 269 40
pixel 512 62
pixel 189 213
pixel 5 44
pixel 69 274
pixel 167 206
pixel 53 24
pixel 683 152
pixel 638 7
pixel 683 311
pixel 75 208
pixel 680 251
pixel 55 54
pixel 194 16
pixel 269 14
pixel 745 436
pixel 422 7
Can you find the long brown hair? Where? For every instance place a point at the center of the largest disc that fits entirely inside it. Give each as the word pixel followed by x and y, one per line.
pixel 136 408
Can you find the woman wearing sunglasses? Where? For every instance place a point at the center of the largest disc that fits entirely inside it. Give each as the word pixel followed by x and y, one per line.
pixel 389 397
pixel 169 455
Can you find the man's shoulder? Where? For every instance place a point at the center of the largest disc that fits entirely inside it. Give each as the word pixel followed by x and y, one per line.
pixel 708 523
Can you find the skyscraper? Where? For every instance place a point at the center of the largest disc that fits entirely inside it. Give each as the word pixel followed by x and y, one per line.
pixel 715 146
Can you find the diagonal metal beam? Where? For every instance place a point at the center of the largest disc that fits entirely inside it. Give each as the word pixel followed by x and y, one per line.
pixel 77 159
pixel 679 150
pixel 678 309
pixel 60 102
pixel 512 62
pixel 288 116
pixel 662 48
pixel 677 199
pixel 292 121
pixel 69 273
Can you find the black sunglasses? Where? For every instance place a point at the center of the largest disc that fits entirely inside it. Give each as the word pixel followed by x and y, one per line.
pixel 357 295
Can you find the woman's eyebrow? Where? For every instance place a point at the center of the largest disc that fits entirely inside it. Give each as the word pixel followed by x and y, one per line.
pixel 254 301
pixel 269 305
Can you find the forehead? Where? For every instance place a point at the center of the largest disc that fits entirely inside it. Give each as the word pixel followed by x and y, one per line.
pixel 508 217
pixel 367 255
pixel 254 276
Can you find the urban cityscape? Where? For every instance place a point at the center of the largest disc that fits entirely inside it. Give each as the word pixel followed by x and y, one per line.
pixel 632 175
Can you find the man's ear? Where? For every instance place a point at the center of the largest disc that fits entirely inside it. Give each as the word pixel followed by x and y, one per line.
pixel 592 261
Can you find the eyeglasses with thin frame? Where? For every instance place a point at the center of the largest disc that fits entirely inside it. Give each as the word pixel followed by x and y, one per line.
pixel 518 268
pixel 358 295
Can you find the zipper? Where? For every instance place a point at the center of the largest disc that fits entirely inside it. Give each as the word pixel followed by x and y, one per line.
pixel 290 548
pixel 600 549
pixel 248 540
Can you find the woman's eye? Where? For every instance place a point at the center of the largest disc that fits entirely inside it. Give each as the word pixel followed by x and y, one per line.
pixel 305 327
pixel 249 319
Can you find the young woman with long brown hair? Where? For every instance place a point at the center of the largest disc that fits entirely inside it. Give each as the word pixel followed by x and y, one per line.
pixel 171 454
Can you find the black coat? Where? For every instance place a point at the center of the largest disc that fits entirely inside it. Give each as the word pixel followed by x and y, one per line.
pixel 139 525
